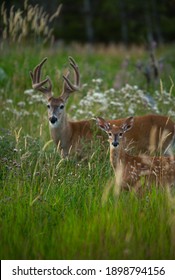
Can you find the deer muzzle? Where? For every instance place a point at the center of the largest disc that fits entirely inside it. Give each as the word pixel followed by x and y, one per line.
pixel 115 143
pixel 53 119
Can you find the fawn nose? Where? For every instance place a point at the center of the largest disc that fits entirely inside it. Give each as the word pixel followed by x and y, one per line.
pixel 115 143
pixel 53 119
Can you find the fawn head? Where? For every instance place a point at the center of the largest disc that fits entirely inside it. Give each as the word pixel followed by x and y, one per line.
pixel 115 133
pixel 55 105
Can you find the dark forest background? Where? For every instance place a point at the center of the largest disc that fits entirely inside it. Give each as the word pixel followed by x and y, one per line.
pixel 126 21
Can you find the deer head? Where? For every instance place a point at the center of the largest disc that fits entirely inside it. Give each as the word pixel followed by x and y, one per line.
pixel 55 105
pixel 115 133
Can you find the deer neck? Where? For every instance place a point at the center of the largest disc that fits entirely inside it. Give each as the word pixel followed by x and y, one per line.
pixel 61 133
pixel 117 156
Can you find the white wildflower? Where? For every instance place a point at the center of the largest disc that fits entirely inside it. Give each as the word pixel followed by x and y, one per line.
pixel 36 114
pixel 131 111
pixel 114 103
pixel 29 91
pixel 166 102
pixel 84 85
pixel 21 104
pixel 97 81
pixel 79 111
pixel 98 95
pixel 112 90
pixel 73 107
pixel 9 101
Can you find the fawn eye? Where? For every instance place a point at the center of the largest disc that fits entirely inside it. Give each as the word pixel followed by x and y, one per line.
pixel 120 134
pixel 48 106
pixel 109 133
pixel 61 106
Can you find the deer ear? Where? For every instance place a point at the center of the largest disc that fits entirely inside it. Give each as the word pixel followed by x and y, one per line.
pixel 128 124
pixel 102 124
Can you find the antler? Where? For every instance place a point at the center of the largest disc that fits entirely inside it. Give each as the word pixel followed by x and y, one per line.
pixel 39 85
pixel 68 86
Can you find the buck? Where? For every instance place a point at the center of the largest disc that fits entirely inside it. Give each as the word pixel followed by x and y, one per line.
pixel 68 135
pixel 130 169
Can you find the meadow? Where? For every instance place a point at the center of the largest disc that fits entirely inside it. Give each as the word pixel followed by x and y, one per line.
pixel 52 208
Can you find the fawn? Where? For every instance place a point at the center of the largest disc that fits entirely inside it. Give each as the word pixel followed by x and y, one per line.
pixel 157 170
pixel 67 134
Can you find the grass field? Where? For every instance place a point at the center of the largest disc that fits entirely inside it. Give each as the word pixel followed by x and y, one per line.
pixel 67 209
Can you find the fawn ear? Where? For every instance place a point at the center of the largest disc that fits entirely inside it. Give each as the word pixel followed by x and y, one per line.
pixel 128 124
pixel 104 125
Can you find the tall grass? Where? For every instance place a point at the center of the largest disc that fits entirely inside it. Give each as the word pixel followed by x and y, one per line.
pixel 32 23
pixel 67 209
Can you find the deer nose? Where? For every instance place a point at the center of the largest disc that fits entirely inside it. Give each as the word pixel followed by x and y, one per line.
pixel 115 143
pixel 53 119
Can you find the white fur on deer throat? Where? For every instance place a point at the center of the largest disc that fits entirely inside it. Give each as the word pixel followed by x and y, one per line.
pixel 53 125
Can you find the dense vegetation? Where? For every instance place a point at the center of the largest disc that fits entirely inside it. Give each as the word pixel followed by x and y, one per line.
pixel 54 208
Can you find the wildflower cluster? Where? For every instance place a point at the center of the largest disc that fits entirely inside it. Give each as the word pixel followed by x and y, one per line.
pixel 25 107
pixel 110 103
pixel 115 103
pixel 165 102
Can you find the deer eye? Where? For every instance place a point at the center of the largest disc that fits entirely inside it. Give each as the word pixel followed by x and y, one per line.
pixel 120 134
pixel 109 133
pixel 61 106
pixel 48 106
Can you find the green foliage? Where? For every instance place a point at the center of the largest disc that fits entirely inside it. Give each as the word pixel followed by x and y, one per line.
pixel 67 209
